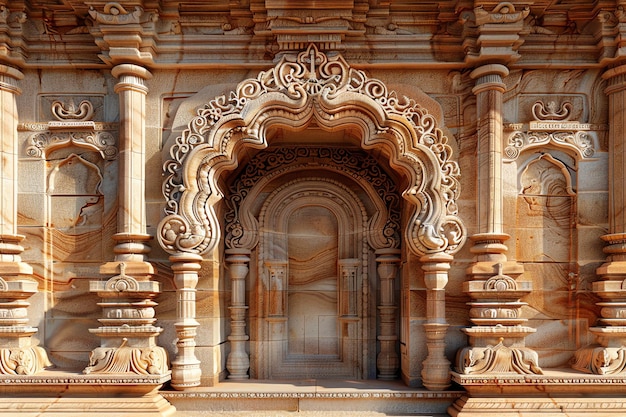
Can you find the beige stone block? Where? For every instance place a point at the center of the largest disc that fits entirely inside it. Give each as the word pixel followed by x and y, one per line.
pixel 211 332
pixel 70 335
pixel 593 208
pixel 593 175
pixel 32 176
pixel 33 244
pixel 82 246
pixel 417 304
pixel 76 302
pixel 537 244
pixel 589 243
pixel 31 209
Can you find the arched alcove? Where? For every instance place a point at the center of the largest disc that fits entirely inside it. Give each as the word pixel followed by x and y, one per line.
pixel 314 98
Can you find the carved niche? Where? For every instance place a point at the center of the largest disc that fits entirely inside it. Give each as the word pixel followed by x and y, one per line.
pixel 304 87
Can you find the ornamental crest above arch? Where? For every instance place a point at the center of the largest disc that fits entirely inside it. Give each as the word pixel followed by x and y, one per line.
pixel 304 88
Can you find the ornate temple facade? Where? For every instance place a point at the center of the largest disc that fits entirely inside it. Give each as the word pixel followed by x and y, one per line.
pixel 204 200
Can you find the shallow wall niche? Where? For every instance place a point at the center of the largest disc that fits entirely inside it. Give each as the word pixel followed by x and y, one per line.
pixel 546 236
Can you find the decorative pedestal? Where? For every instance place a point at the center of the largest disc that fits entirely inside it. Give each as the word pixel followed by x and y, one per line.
pixel 19 355
pixel 61 394
pixel 608 356
pixel 497 339
pixel 128 335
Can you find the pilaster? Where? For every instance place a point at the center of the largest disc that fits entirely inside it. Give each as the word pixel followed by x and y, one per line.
pixel 436 367
pixel 387 362
pixel 128 335
pixel 497 337
pixel 238 361
pixel 186 370
pixel 608 355
pixel 19 353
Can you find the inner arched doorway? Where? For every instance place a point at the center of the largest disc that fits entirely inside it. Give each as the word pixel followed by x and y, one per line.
pixel 304 92
pixel 322 216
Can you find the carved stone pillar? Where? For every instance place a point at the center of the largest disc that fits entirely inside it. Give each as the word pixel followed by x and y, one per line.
pixel 348 291
pixel 238 361
pixel 497 339
pixel 436 368
pixel 128 336
pixel 387 362
pixel 609 355
pixel 186 370
pixel 19 353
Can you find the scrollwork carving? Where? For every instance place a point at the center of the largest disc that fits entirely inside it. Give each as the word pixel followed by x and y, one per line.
pixel 498 359
pixel 600 360
pixel 551 111
pixel 125 359
pixel 84 110
pixel 103 142
pixel 23 361
pixel 301 86
pixel 500 282
pixel 579 141
pixel 501 14
pixel 116 14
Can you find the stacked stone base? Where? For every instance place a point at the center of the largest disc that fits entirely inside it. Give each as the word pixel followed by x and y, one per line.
pixel 548 395
pixel 61 394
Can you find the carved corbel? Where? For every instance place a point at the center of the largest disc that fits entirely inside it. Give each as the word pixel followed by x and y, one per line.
pixel 497 34
pixel 127 35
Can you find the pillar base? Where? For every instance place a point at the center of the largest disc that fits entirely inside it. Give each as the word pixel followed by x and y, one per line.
pixel 125 359
pixel 498 359
pixel 556 393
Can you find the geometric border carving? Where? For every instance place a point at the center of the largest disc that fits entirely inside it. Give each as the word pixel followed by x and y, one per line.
pixel 301 88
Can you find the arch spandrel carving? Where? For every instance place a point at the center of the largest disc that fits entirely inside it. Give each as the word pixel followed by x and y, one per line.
pixel 311 86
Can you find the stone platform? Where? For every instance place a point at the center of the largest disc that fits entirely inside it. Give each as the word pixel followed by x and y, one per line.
pixel 59 393
pixel 556 393
pixel 309 398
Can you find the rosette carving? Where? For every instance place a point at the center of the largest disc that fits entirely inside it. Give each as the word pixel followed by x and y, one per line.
pixel 309 85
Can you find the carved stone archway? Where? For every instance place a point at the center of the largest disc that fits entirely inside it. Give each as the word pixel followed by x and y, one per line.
pixel 310 87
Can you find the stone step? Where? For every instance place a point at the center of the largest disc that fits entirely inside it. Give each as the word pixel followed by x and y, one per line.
pixel 310 398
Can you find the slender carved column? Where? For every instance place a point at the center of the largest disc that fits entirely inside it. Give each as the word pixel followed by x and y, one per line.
pixel 186 370
pixel 238 361
pixel 128 336
pixel 436 370
pixel 348 291
pixel 19 353
pixel 609 355
pixel 497 339
pixel 387 361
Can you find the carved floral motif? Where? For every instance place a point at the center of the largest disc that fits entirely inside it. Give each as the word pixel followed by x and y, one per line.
pixel 308 85
pixel 103 142
pixel 355 164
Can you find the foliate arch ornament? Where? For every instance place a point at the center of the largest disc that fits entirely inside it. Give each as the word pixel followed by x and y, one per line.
pixel 301 88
